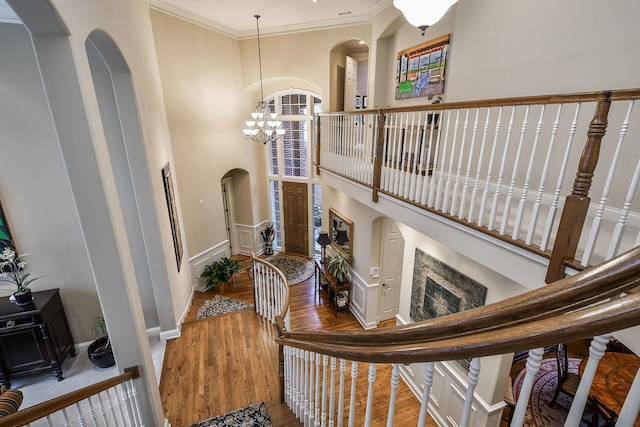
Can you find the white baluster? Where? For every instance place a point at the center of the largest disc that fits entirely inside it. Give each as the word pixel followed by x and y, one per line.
pixel 485 192
pixel 426 392
pixel 633 186
pixel 81 419
pixel 556 195
pixel 476 182
pixel 543 176
pixel 436 163
pixel 65 415
pixel 352 398
pixel 305 388
pixel 525 188
pixel 332 392
pixel 467 175
pixel 460 155
pixel 316 414
pixel 532 367
pixel 452 156
pixel 496 193
pixel 395 380
pixel 325 360
pixel 343 365
pixel 507 201
pixel 441 183
pixel 596 351
pixel 369 406
pixel 397 146
pixel 92 413
pixel 472 382
pixel 631 406
pixel 429 167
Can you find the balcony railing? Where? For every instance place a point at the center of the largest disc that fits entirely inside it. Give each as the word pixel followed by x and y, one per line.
pixel 505 167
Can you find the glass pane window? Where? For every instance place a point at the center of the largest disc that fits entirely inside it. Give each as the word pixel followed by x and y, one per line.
pixel 273 157
pixel 275 213
pixel 295 147
pixel 317 105
pixel 294 104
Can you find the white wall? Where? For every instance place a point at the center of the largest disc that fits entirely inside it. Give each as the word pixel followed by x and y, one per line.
pixel 34 188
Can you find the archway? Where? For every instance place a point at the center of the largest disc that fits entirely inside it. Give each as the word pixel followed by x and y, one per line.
pixel 349 65
pixel 237 211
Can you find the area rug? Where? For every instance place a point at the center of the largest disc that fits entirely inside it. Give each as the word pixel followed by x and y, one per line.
pixel 254 415
pixel 220 305
pixel 539 414
pixel 296 268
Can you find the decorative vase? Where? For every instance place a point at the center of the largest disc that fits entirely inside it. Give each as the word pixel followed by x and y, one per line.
pixel 23 298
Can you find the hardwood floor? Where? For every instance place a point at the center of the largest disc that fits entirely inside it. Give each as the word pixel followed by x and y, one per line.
pixel 226 362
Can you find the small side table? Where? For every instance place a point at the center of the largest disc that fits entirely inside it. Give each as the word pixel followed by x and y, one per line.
pixel 328 284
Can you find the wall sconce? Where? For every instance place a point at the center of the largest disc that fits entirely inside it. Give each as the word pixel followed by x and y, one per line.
pixel 323 241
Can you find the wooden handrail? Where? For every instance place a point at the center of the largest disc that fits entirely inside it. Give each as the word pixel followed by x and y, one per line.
pixel 577 307
pixel 615 314
pixel 43 409
pixel 620 274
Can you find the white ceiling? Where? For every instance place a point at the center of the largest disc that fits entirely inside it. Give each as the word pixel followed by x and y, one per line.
pixel 236 17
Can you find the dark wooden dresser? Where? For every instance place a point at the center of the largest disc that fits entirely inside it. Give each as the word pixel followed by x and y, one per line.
pixel 34 337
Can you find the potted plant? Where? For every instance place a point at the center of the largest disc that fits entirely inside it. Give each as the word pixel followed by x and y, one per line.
pixel 221 271
pixel 12 269
pixel 339 266
pixel 100 351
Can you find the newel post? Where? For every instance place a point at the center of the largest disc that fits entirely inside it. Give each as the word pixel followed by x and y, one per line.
pixel 377 160
pixel 576 204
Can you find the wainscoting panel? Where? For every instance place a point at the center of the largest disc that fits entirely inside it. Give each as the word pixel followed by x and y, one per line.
pixel 246 239
pixel 364 301
pixel 199 261
pixel 448 391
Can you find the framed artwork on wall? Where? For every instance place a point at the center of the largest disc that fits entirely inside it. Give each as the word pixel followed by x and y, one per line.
pixel 6 241
pixel 173 213
pixel 438 290
pixel 421 70
pixel 357 102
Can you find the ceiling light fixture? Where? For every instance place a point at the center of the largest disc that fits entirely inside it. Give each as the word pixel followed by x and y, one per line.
pixel 423 13
pixel 264 126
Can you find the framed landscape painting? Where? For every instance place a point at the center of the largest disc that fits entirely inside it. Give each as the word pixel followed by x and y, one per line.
pixel 421 70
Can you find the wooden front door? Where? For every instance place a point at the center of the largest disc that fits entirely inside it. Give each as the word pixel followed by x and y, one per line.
pixel 295 221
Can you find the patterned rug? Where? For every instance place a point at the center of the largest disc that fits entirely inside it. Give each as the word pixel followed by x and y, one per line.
pixel 220 305
pixel 296 268
pixel 539 414
pixel 254 415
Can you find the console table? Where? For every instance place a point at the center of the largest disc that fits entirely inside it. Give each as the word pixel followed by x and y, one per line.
pixel 332 288
pixel 34 337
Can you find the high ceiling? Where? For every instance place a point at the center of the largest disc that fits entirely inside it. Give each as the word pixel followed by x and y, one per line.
pixel 236 17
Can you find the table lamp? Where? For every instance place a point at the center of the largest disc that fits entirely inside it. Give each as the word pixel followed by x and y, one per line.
pixel 323 241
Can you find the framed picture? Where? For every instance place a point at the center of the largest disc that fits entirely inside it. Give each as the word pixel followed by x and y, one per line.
pixel 364 101
pixel 421 70
pixel 357 102
pixel 173 213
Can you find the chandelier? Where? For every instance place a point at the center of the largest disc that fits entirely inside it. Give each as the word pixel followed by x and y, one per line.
pixel 423 13
pixel 264 126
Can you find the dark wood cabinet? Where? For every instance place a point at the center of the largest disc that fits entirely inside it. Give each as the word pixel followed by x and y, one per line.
pixel 334 290
pixel 34 337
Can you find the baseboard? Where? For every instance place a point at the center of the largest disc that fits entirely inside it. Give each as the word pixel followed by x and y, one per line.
pixel 170 334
